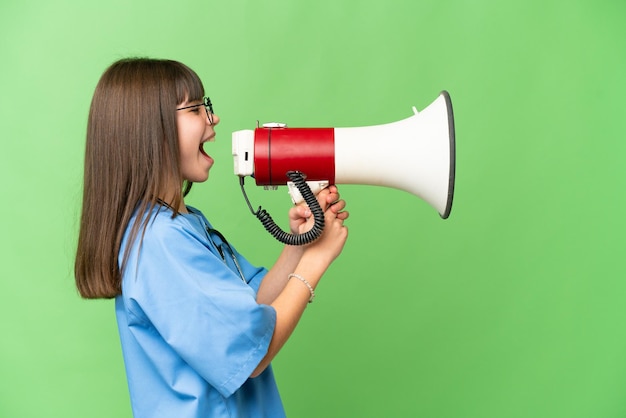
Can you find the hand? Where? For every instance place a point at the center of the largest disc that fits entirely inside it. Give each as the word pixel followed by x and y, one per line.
pixel 300 217
pixel 333 238
pixel 310 261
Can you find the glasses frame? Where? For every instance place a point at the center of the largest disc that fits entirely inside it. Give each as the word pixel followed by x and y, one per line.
pixel 208 107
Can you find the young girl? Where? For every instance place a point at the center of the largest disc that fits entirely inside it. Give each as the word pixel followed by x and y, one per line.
pixel 199 325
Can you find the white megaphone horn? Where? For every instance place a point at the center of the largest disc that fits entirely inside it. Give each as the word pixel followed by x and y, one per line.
pixel 416 154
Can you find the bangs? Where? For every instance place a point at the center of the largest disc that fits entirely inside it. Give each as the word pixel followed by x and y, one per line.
pixel 188 85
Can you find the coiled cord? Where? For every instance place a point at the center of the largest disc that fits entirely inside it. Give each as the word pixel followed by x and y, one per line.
pixel 270 226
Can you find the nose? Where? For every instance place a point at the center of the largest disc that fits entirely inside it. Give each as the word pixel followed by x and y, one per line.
pixel 216 119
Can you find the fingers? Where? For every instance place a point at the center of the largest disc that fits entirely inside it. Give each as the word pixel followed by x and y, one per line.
pixel 304 211
pixel 330 202
pixel 337 206
pixel 326 197
pixel 299 212
pixel 336 212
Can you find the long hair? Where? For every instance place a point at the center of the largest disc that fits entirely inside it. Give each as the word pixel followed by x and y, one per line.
pixel 131 159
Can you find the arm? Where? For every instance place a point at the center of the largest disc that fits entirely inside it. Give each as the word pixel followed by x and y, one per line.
pixel 276 278
pixel 289 298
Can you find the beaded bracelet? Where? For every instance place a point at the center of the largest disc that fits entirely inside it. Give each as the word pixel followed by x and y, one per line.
pixel 302 279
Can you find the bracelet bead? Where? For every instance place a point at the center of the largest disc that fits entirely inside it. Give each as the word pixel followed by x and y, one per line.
pixel 303 280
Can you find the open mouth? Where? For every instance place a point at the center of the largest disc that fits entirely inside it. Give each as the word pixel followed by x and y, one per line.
pixel 202 151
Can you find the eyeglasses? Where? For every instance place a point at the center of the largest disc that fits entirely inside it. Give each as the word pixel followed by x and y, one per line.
pixel 208 107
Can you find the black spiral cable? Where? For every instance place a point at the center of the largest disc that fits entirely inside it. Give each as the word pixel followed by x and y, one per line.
pixel 270 226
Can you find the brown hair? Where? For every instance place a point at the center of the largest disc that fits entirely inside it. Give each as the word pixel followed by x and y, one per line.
pixel 131 158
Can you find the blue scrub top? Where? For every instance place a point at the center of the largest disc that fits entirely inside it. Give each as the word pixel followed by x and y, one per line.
pixel 191 329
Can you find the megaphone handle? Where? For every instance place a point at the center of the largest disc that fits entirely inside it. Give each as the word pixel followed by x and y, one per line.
pixel 315 186
pixel 316 210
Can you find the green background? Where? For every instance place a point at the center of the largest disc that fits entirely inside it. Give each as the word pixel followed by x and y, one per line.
pixel 513 307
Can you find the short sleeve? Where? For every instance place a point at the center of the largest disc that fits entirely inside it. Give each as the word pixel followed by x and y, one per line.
pixel 175 285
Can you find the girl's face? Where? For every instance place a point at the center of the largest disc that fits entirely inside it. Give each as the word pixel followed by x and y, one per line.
pixel 194 129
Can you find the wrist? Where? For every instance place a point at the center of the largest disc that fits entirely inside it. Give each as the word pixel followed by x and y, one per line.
pixel 295 249
pixel 317 255
pixel 312 266
pixel 306 283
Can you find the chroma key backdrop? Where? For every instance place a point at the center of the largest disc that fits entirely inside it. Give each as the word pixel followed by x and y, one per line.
pixel 513 307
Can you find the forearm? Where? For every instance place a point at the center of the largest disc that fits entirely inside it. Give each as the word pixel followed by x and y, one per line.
pixel 276 278
pixel 289 297
pixel 290 304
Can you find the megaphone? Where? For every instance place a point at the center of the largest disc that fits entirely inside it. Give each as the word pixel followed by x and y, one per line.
pixel 416 154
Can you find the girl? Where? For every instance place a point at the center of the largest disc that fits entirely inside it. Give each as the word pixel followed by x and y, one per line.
pixel 199 325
